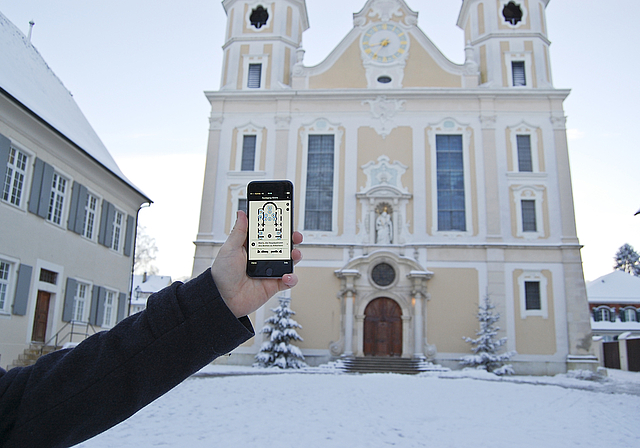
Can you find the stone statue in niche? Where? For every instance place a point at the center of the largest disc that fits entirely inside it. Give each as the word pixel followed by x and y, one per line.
pixel 384 227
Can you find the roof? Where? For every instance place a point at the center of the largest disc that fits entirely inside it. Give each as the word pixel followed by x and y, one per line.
pixel 153 283
pixel 26 77
pixel 616 287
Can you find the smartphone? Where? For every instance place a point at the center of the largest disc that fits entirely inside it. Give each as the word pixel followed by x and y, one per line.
pixel 269 238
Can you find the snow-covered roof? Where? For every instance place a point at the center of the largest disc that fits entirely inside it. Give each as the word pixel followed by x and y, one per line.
pixel 616 287
pixel 25 76
pixel 153 283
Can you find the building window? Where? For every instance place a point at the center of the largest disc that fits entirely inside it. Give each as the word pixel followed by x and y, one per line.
pixel 118 223
pixel 383 274
pixel 110 303
pixel 518 73
pixel 512 13
pixel 48 276
pixel 248 153
pixel 450 174
pixel 529 223
pixel 14 177
pixel 603 314
pixel 525 162
pixel 90 211
pixel 255 75
pixel 319 191
pixel 5 275
pixel 532 296
pixel 629 315
pixel 80 302
pixel 57 198
pixel 259 17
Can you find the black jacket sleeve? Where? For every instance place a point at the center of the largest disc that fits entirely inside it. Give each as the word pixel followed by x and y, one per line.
pixel 72 395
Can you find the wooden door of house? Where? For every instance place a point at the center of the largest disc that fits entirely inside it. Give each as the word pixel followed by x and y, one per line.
pixel 383 328
pixel 41 317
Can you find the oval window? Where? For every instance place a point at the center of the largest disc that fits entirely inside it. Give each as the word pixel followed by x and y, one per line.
pixel 384 79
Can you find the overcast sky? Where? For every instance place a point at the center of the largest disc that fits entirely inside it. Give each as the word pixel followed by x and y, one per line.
pixel 138 69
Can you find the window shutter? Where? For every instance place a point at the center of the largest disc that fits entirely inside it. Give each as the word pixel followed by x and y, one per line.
pixel 23 286
pixel 5 148
pixel 36 186
pixel 122 306
pixel 255 73
pixel 518 74
pixel 69 298
pixel 78 204
pixel 95 297
pixel 106 224
pixel 41 189
pixel 128 242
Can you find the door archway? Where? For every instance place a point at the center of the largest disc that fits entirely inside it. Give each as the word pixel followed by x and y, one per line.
pixel 383 328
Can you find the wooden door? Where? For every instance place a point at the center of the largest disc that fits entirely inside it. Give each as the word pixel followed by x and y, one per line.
pixel 41 316
pixel 383 328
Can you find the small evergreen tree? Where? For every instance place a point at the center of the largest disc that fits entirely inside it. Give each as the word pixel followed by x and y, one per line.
pixel 485 346
pixel 627 260
pixel 278 350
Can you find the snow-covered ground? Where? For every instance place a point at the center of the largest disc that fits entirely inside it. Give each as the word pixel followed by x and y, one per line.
pixel 245 407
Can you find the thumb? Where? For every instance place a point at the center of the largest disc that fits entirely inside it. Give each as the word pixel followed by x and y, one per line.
pixel 238 234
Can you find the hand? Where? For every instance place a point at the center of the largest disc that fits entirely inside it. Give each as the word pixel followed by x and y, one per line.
pixel 243 294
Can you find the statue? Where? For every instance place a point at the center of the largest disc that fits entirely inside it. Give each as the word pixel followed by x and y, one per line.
pixel 384 228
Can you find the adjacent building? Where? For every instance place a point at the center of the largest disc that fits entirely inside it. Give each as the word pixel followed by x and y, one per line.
pixel 614 302
pixel 422 185
pixel 67 212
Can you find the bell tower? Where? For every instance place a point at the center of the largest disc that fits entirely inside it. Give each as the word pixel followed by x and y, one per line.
pixel 509 41
pixel 261 42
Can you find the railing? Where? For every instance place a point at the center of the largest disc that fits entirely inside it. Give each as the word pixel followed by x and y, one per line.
pixel 72 328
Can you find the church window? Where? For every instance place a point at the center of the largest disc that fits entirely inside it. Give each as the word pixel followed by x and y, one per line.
pixel 450 174
pixel 255 75
pixel 512 13
pixel 383 274
pixel 529 223
pixel 319 191
pixel 384 79
pixel 259 17
pixel 518 74
pixel 248 153
pixel 525 162
pixel 532 296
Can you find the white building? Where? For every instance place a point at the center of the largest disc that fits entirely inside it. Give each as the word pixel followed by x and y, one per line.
pixel 614 301
pixel 67 213
pixel 143 286
pixel 421 185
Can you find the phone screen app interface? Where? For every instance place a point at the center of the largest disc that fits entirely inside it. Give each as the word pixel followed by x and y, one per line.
pixel 270 229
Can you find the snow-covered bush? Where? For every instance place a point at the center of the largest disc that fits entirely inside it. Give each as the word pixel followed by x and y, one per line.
pixel 485 347
pixel 278 351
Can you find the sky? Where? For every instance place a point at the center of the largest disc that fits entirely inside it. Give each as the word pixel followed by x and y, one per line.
pixel 138 70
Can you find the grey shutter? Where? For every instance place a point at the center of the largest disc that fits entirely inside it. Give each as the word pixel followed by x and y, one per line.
pixel 41 188
pixel 5 148
pixel 23 286
pixel 78 205
pixel 106 224
pixel 100 311
pixel 95 297
pixel 128 242
pixel 122 306
pixel 69 299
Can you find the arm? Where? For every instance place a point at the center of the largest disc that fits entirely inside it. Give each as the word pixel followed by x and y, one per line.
pixel 72 395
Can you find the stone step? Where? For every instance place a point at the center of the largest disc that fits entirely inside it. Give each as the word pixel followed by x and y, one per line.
pixel 380 364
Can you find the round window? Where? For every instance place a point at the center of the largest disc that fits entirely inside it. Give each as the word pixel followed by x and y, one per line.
pixel 383 274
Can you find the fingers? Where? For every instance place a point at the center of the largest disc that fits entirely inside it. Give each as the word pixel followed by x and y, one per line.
pixel 297 238
pixel 290 280
pixel 238 234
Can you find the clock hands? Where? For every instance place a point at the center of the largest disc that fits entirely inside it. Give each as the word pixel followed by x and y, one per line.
pixel 382 44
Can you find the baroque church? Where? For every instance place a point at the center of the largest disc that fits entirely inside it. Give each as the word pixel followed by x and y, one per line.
pixel 421 186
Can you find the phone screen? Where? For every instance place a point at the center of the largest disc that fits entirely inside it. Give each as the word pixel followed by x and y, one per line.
pixel 270 213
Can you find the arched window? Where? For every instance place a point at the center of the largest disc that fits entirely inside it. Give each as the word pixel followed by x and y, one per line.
pixel 602 314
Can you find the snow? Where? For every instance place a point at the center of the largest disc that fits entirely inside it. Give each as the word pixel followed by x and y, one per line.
pixel 25 75
pixel 230 406
pixel 615 287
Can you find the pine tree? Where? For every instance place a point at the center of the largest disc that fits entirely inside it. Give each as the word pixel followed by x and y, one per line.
pixel 485 346
pixel 278 350
pixel 627 260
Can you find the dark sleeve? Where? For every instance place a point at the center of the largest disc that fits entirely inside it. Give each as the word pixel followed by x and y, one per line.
pixel 72 395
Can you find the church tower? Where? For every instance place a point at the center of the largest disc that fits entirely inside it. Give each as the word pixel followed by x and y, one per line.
pixel 261 42
pixel 509 39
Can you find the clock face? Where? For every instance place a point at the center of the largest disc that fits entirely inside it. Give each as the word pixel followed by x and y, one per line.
pixel 385 43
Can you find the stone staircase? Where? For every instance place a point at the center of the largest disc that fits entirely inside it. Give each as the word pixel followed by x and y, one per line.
pixel 382 364
pixel 31 355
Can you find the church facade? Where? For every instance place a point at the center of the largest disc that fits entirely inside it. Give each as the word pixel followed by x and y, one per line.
pixel 421 185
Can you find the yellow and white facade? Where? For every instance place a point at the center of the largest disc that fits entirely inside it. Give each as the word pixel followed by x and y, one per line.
pixel 421 185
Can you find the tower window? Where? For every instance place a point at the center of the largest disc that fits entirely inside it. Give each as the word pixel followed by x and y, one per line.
pixel 518 74
pixel 259 17
pixel 512 13
pixel 255 73
pixel 525 162
pixel 532 296
pixel 529 223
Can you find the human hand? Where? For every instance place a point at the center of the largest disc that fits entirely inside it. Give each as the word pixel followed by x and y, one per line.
pixel 243 294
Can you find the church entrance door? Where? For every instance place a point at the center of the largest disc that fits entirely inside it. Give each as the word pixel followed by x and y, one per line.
pixel 383 328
